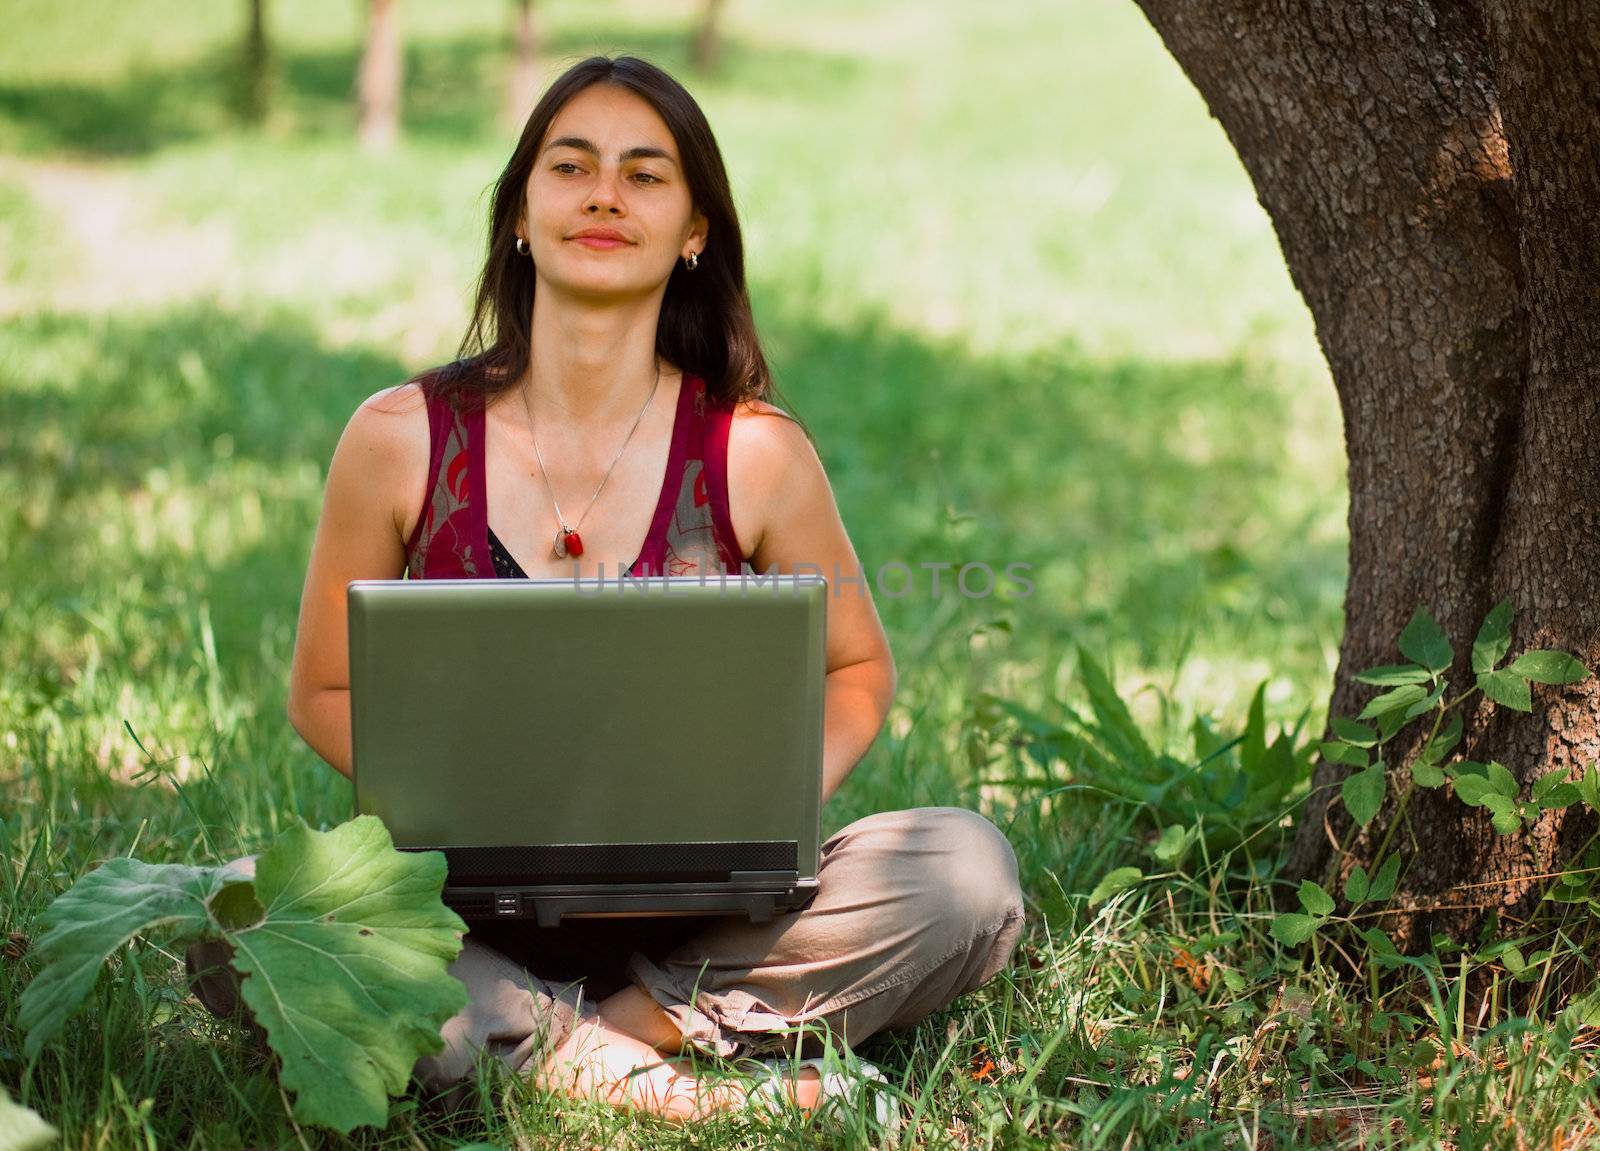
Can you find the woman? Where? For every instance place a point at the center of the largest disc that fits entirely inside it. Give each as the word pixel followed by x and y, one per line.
pixel 608 406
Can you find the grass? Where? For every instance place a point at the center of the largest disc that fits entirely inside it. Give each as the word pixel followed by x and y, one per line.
pixel 1018 284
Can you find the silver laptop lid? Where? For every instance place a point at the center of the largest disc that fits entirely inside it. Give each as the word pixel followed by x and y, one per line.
pixel 518 713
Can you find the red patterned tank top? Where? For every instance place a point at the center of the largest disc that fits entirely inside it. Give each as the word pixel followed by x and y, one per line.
pixel 691 532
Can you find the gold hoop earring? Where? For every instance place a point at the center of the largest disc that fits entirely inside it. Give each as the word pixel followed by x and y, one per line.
pixel 692 261
pixel 522 246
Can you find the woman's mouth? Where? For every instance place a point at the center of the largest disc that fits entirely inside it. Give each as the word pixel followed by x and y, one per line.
pixel 600 238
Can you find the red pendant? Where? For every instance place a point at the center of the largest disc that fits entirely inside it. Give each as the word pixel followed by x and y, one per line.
pixel 568 543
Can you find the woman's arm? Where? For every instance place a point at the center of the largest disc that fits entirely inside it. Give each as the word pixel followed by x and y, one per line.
pixel 359 536
pixel 780 496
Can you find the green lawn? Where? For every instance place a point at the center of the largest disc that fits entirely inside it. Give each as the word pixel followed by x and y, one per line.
pixel 1017 283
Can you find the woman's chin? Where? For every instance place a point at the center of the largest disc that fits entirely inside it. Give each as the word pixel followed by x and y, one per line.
pixel 602 289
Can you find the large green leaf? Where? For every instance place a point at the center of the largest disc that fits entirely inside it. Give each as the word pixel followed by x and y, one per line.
pixel 346 969
pixel 104 910
pixel 21 1129
pixel 342 942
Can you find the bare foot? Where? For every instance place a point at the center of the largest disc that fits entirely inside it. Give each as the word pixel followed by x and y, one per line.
pixel 601 1061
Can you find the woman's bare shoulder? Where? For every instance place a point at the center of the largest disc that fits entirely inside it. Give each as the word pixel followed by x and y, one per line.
pixel 772 464
pixel 387 441
pixel 764 442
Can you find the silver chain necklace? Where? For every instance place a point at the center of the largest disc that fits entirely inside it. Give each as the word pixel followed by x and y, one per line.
pixel 567 540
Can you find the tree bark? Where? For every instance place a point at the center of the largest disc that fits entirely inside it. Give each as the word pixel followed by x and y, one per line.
pixel 381 72
pixel 1433 176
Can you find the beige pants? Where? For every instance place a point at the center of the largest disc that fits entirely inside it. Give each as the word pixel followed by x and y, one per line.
pixel 914 908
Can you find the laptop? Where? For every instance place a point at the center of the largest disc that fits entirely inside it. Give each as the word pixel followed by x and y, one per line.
pixel 588 747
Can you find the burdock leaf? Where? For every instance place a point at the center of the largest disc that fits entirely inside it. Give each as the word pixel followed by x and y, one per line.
pixel 90 922
pixel 346 970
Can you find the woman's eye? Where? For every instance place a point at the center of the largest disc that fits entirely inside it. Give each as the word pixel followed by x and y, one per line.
pixel 559 167
pixel 649 177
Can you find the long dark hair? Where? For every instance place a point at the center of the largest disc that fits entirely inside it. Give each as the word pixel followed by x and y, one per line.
pixel 706 326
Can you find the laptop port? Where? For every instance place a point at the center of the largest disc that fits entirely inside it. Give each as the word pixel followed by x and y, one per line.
pixel 507 903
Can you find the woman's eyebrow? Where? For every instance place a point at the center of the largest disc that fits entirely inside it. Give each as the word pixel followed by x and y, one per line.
pixel 642 151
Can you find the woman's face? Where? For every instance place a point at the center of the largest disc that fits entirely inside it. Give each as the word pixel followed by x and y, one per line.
pixel 608 161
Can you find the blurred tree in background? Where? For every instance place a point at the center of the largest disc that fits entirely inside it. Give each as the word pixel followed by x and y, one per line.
pixel 254 75
pixel 522 89
pixel 382 70
pixel 708 38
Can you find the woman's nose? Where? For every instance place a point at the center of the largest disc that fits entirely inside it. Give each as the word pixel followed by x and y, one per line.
pixel 604 194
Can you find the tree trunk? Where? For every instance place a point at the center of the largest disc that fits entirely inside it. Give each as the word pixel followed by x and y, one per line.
pixel 707 40
pixel 380 76
pixel 522 89
pixel 1433 176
